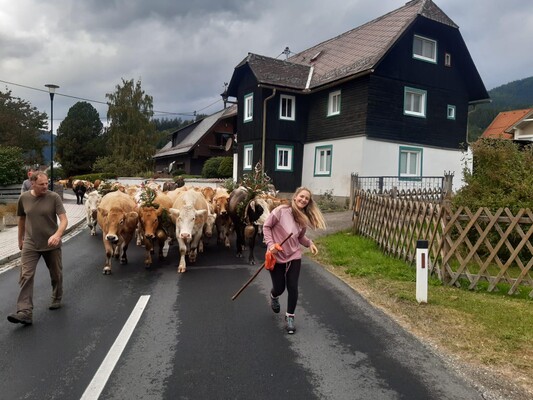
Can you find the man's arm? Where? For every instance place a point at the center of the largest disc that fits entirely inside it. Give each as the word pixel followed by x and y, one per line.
pixel 21 230
pixel 55 239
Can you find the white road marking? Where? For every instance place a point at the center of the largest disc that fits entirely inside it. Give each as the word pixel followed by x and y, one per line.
pixel 99 380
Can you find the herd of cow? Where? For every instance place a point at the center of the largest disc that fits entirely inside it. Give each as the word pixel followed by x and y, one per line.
pixel 156 216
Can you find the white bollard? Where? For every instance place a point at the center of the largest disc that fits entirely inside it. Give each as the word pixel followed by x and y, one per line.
pixel 422 264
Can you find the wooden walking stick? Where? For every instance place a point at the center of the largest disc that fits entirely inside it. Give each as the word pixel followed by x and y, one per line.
pixel 256 273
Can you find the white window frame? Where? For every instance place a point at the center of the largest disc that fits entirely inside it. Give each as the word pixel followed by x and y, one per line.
pixel 287 112
pixel 284 155
pixel 334 103
pixel 450 112
pixel 410 103
pixel 248 107
pixel 323 160
pixel 426 44
pixel 447 60
pixel 247 157
pixel 408 167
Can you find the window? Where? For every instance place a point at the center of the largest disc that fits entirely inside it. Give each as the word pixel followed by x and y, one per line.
pixel 415 102
pixel 451 112
pixel 447 60
pixel 323 160
pixel 424 49
pixel 286 107
pixel 334 103
pixel 248 107
pixel 283 158
pixel 410 162
pixel 248 157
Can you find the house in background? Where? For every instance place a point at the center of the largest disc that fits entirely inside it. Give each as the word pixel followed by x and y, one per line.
pixel 194 144
pixel 514 125
pixel 389 98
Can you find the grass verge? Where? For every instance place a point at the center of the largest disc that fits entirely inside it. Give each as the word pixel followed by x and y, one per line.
pixel 485 330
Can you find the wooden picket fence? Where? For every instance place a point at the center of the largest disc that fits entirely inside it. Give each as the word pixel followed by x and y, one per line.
pixel 482 248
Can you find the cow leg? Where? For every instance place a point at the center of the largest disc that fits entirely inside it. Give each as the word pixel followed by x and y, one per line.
pixel 123 253
pixel 109 252
pixel 164 243
pixel 182 267
pixel 240 241
pixel 161 245
pixel 139 235
pixel 252 239
pixel 195 243
pixel 149 249
pixel 166 246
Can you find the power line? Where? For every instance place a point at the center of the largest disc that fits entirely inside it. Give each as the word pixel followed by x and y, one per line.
pixel 189 114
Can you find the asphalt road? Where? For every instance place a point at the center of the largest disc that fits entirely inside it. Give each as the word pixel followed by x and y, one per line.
pixel 193 342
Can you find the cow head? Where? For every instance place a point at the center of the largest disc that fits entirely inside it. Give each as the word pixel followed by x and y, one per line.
pixel 91 205
pixel 221 204
pixel 116 222
pixel 188 221
pixel 149 220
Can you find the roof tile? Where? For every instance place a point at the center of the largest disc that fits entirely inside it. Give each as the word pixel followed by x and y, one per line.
pixel 503 121
pixel 353 52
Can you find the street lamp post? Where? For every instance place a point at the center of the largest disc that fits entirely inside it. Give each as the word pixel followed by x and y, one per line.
pixel 51 88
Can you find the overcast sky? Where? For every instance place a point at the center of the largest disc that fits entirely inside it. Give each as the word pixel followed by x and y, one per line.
pixel 184 51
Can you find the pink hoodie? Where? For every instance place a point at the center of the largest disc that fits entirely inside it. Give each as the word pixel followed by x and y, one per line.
pixel 279 224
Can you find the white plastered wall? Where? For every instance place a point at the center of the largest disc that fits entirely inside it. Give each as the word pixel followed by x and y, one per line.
pixel 375 158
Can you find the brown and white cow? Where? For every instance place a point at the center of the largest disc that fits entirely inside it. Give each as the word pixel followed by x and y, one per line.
pixel 155 224
pixel 223 221
pixel 118 220
pixel 247 215
pixel 189 213
pixel 209 224
pixel 92 201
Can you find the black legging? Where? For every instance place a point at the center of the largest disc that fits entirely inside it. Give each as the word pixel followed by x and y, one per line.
pixel 286 275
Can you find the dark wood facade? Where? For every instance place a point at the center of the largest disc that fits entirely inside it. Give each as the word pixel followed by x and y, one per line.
pixel 372 87
pixel 191 146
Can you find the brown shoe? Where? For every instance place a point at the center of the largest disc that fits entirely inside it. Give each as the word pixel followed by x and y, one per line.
pixel 55 305
pixel 19 318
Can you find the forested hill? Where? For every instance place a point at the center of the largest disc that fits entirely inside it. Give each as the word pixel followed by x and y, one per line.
pixel 511 96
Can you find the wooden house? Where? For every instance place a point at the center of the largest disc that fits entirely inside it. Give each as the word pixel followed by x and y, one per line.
pixel 192 145
pixel 388 98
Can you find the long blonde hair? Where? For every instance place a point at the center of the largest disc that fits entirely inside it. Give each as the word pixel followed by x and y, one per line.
pixel 310 215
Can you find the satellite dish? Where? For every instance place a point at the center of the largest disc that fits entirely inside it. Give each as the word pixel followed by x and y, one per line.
pixel 229 143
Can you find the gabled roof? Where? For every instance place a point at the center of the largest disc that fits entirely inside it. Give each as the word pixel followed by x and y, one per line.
pixel 354 52
pixel 502 126
pixel 194 132
pixel 276 72
pixel 361 49
pixel 525 120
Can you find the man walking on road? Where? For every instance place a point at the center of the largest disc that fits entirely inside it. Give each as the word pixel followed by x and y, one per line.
pixel 39 235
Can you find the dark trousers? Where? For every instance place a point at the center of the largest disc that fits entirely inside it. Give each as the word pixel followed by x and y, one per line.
pixel 286 275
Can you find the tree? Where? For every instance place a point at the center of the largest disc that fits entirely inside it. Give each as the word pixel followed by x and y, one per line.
pixel 19 126
pixel 11 164
pixel 131 136
pixel 79 139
